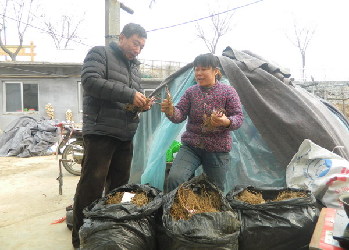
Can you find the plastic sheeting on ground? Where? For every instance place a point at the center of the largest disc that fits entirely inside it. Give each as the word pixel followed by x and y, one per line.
pixel 27 137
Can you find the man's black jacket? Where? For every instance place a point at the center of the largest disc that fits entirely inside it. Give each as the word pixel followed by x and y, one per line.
pixel 109 81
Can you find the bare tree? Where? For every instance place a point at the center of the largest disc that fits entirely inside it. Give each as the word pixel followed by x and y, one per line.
pixel 64 31
pixel 22 11
pixel 302 35
pixel 151 3
pixel 219 25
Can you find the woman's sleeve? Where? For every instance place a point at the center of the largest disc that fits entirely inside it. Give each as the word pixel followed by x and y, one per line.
pixel 181 110
pixel 234 110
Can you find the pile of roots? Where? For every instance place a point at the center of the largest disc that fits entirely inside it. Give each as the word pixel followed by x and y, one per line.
pixel 254 197
pixel 189 201
pixel 139 199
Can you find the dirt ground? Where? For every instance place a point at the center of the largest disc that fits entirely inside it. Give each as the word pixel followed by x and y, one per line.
pixel 30 202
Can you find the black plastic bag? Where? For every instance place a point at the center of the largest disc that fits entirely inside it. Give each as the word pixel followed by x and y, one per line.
pixel 215 230
pixel 121 226
pixel 136 234
pixel 285 224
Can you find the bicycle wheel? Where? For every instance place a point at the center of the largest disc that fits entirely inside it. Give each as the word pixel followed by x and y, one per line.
pixel 74 153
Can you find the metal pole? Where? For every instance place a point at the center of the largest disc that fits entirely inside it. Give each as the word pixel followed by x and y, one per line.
pixel 112 21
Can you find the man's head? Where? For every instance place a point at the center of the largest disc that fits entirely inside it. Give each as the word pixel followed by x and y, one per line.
pixel 132 40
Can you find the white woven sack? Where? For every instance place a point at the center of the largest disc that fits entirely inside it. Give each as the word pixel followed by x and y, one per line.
pixel 321 171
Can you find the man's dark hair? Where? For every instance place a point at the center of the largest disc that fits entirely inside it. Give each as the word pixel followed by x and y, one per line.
pixel 132 28
pixel 206 60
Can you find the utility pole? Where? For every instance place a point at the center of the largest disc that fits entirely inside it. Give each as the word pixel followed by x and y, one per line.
pixel 112 20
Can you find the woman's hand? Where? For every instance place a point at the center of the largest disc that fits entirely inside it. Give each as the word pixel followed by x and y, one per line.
pixel 167 107
pixel 219 119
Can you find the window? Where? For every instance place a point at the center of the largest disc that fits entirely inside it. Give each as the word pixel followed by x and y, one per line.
pixel 147 92
pixel 80 96
pixel 21 97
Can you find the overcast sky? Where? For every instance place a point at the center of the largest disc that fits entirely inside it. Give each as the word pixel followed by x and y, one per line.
pixel 260 28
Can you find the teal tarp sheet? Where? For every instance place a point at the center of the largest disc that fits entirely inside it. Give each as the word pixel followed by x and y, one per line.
pixel 253 162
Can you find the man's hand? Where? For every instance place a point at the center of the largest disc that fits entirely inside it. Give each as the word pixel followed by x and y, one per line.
pixel 139 100
pixel 149 103
pixel 167 107
pixel 219 119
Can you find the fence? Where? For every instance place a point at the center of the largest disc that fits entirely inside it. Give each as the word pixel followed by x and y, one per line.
pixel 25 50
pixel 158 68
pixel 321 74
pixel 337 93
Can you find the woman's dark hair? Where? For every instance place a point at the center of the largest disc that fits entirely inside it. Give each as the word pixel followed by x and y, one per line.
pixel 208 60
pixel 132 28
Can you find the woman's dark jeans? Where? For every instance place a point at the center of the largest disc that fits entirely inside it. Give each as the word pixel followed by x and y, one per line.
pixel 188 159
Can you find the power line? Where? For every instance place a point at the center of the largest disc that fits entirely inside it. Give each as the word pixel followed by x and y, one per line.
pixel 167 27
pixel 202 18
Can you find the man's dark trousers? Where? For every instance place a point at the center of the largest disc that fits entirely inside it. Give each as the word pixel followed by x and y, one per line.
pixel 105 166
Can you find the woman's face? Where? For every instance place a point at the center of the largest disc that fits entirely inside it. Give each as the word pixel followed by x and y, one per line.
pixel 205 76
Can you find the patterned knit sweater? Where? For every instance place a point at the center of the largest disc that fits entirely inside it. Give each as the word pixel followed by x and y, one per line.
pixel 196 102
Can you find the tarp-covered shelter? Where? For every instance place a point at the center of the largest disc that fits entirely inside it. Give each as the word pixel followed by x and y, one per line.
pixel 278 117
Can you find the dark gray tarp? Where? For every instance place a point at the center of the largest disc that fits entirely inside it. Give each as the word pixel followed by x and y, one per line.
pixel 26 137
pixel 279 116
pixel 283 114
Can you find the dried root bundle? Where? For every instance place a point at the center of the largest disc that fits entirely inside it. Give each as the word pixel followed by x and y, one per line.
pixel 50 111
pixel 253 197
pixel 69 115
pixel 170 109
pixel 139 199
pixel 207 119
pixel 250 197
pixel 188 202
pixel 115 198
pixel 134 109
pixel 285 195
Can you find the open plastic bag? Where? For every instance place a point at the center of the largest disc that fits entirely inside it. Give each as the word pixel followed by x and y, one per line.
pixel 207 230
pixel 283 224
pixel 124 225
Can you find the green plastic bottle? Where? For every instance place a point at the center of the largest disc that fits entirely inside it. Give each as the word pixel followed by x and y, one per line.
pixel 174 148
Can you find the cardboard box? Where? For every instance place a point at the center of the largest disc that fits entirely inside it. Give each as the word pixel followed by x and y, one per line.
pixel 322 238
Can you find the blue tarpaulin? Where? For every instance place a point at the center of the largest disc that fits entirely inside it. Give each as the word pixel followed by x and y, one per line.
pixel 278 117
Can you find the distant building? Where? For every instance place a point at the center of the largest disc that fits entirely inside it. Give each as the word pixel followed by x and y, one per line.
pixel 27 87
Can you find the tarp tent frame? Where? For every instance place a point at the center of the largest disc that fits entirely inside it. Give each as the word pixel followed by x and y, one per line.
pixel 278 117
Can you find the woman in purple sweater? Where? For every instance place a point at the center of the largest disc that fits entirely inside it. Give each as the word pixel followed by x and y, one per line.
pixel 213 110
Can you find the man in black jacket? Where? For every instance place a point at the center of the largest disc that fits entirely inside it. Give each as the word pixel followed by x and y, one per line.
pixel 111 80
